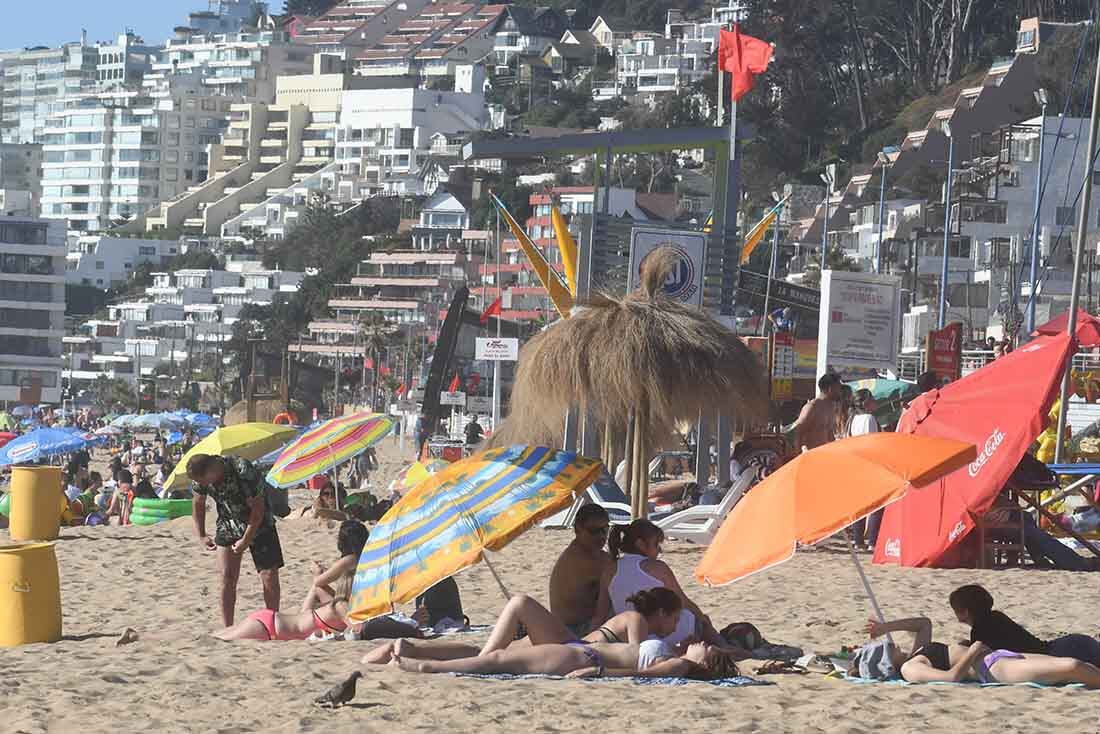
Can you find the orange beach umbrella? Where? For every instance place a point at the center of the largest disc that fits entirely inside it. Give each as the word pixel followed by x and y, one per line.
pixel 820 493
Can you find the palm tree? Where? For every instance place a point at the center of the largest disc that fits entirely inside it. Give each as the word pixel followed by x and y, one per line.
pixel 375 335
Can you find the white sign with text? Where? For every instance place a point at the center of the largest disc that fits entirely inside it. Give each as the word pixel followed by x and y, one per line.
pixel 497 349
pixel 859 328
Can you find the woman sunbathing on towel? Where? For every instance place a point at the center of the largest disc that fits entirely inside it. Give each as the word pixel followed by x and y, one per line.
pixel 934 661
pixel 576 658
pixel 329 618
pixel 655 613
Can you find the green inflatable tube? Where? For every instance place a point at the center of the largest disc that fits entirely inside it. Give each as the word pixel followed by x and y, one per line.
pixel 159 514
pixel 171 508
pixel 143 520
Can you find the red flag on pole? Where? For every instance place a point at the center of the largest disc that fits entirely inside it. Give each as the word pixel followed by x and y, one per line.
pixel 456 383
pixel 400 391
pixel 743 57
pixel 495 309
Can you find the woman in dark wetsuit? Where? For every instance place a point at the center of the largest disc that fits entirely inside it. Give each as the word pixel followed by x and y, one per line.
pixel 930 661
pixel 656 613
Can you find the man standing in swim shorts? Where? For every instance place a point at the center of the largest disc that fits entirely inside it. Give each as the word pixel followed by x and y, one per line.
pixel 245 522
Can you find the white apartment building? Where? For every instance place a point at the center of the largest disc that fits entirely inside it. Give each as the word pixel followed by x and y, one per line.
pixel 32 308
pixel 36 82
pixel 110 157
pixel 388 133
pixel 226 16
pixel 104 262
pixel 241 65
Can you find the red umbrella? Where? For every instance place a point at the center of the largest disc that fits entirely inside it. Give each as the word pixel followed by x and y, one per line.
pixel 5 437
pixel 1088 328
pixel 1000 408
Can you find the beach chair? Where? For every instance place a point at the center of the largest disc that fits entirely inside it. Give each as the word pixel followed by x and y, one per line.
pixel 700 523
pixel 605 492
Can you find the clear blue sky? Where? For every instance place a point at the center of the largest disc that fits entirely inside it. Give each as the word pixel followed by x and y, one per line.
pixel 53 22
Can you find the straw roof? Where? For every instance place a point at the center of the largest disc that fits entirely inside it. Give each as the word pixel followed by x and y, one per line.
pixel 614 355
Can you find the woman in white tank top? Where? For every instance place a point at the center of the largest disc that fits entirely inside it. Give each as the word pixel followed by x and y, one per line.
pixel 638 569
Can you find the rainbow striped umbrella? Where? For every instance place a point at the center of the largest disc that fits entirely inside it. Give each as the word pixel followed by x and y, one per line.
pixel 327 446
pixel 443 525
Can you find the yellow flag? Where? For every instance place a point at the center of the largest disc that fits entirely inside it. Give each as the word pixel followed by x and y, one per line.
pixel 709 223
pixel 567 246
pixel 753 238
pixel 559 294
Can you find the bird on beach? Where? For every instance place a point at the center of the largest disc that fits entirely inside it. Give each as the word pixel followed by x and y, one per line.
pixel 340 693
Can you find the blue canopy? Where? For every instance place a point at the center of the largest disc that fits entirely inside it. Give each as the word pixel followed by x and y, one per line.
pixel 45 442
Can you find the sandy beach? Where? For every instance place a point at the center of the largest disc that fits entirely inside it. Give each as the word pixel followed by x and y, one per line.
pixel 178 678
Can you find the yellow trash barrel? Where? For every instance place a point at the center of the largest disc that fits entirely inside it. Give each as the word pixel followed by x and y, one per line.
pixel 30 594
pixel 35 502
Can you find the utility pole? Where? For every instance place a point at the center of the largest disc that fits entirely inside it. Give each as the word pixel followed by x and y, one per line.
pixel 1083 217
pixel 1033 276
pixel 946 225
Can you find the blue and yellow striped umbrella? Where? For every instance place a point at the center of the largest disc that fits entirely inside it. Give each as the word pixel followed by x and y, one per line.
pixel 444 524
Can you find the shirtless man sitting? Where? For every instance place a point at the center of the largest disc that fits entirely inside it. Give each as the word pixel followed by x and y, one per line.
pixel 816 423
pixel 575 580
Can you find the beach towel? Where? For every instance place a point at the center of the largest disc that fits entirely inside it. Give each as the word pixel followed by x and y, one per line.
pixel 736 682
pixel 972 684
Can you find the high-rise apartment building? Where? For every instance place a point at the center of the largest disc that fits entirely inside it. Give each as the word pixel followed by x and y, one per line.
pixel 32 309
pixel 109 157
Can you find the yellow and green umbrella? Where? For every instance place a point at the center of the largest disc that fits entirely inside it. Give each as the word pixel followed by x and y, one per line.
pixel 327 446
pixel 244 440
pixel 417 472
pixel 445 524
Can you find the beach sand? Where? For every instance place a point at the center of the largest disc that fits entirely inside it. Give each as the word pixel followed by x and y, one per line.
pixel 178 678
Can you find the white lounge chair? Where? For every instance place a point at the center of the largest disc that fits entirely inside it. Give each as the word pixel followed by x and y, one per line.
pixel 605 492
pixel 700 523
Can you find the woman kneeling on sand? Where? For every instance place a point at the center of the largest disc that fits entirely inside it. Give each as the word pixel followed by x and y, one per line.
pixel 655 613
pixel 652 658
pixel 931 661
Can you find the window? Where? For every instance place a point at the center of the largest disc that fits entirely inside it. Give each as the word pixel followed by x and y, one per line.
pixel 173 139
pixel 23 234
pixel 171 156
pixel 99 265
pixel 24 318
pixel 17 290
pixel 1065 216
pixel 171 174
pixel 29 346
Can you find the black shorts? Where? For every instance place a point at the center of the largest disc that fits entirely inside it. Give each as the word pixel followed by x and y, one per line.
pixel 266 551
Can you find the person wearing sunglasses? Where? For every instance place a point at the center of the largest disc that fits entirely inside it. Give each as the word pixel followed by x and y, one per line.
pixel 575 580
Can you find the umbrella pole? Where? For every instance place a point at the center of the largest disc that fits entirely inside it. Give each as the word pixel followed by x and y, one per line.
pixel 492 570
pixel 863 578
pixel 628 458
pixel 639 485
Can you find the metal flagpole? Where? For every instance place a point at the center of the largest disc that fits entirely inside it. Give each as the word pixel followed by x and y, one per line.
pixel 496 364
pixel 772 267
pixel 1079 255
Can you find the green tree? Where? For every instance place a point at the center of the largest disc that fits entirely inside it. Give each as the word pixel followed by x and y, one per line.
pixel 114 393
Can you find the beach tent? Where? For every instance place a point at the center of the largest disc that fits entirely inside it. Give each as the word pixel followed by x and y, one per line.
pixel 1088 328
pixel 1001 409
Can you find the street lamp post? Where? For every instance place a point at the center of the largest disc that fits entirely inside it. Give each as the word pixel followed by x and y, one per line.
pixel 884 163
pixel 946 224
pixel 828 179
pixel 1033 277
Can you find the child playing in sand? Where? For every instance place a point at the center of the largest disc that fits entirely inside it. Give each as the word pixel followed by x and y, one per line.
pixel 350 540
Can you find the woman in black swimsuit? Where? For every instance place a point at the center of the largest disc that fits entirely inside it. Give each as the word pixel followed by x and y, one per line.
pixel 930 661
pixel 656 613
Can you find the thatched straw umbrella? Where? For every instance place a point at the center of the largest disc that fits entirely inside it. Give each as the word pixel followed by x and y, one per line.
pixel 638 365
